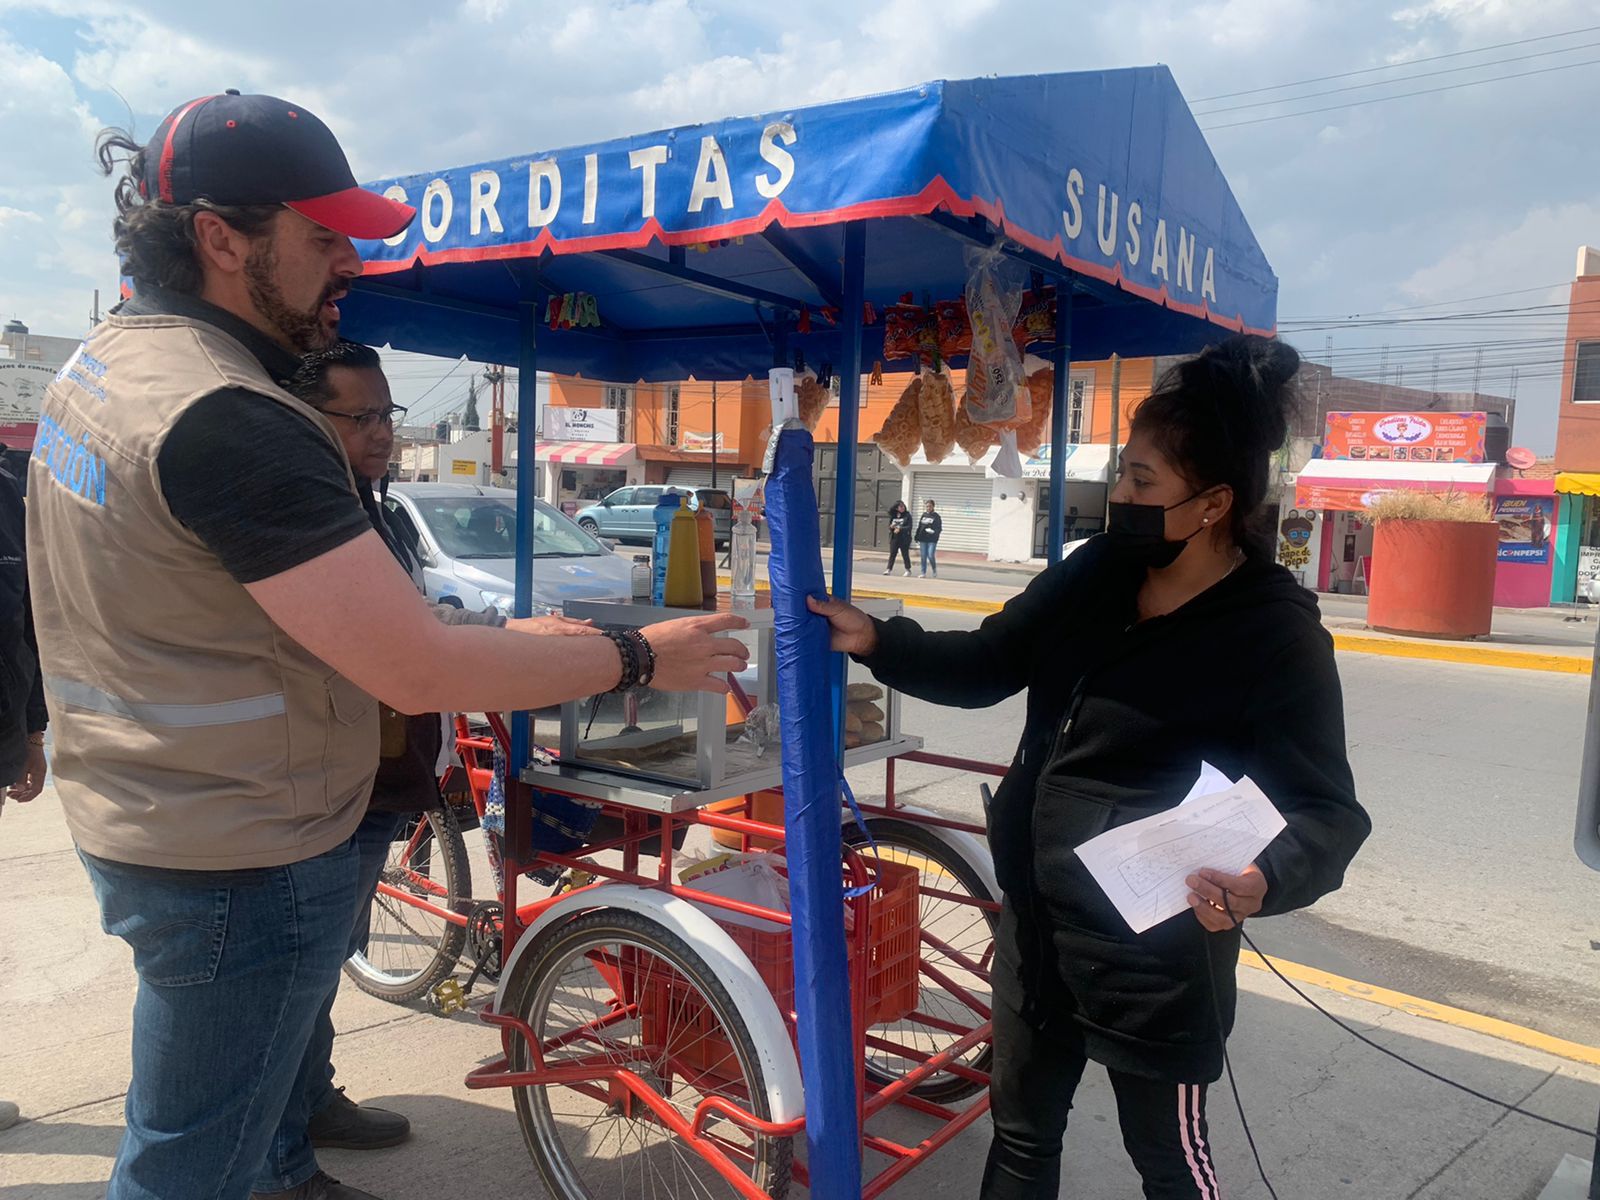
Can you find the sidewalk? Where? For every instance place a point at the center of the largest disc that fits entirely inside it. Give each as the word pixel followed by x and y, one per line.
pixel 1542 639
pixel 1333 1119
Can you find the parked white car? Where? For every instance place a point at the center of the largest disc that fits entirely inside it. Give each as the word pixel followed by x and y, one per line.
pixel 466 536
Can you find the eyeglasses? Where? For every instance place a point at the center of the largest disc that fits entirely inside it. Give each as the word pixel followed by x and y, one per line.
pixel 366 420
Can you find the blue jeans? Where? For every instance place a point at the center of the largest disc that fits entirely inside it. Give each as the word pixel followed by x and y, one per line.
pixel 930 561
pixel 234 968
pixel 315 1087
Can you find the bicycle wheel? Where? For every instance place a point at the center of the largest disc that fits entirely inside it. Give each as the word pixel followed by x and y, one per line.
pixel 409 950
pixel 957 953
pixel 617 989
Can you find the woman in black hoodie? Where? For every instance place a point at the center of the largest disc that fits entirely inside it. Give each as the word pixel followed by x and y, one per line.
pixel 899 535
pixel 1171 640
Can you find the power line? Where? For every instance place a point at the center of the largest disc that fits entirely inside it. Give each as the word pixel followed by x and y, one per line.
pixel 1379 83
pixel 1588 62
pixel 1397 66
pixel 1441 303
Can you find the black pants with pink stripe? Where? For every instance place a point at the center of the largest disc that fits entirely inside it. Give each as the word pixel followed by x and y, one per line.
pixel 1034 1077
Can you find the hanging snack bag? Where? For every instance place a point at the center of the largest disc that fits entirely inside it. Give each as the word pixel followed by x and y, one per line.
pixel 902 429
pixel 992 303
pixel 936 404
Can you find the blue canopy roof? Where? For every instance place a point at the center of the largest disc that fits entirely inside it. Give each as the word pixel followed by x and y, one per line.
pixel 700 243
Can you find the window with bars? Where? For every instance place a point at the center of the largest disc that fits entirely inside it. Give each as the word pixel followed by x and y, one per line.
pixel 1080 394
pixel 674 406
pixel 619 396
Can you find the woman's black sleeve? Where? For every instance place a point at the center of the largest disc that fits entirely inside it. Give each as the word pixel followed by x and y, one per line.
pixel 971 668
pixel 1299 758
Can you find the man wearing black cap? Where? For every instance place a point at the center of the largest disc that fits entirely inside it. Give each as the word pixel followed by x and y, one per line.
pixel 221 614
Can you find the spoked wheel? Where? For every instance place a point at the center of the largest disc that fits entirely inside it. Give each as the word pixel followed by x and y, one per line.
pixel 409 950
pixel 957 957
pixel 613 989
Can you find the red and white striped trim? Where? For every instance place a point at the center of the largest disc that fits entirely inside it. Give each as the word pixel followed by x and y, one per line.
pixel 586 454
pixel 1195 1149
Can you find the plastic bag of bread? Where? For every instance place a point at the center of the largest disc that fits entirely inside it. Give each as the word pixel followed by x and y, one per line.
pixel 994 295
pixel 814 400
pixel 902 428
pixel 863 691
pixel 871 732
pixel 936 402
pixel 852 723
pixel 867 711
pixel 973 438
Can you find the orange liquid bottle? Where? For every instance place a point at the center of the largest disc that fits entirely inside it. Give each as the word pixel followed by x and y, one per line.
pixel 708 556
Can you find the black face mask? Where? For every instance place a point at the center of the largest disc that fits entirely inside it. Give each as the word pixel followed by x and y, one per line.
pixel 1139 533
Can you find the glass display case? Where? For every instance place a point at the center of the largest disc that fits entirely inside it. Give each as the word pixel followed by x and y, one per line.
pixel 673 751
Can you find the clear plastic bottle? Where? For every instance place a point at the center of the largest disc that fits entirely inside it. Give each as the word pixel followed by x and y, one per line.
pixel 743 586
pixel 641 577
pixel 666 508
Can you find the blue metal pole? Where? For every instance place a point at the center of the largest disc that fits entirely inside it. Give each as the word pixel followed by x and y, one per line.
pixel 1061 358
pixel 527 493
pixel 844 495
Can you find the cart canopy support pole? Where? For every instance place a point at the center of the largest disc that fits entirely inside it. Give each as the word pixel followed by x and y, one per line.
pixel 844 492
pixel 527 493
pixel 1061 357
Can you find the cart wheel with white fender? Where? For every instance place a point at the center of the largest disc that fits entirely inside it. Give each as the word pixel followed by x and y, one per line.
pixel 958 920
pixel 645 1018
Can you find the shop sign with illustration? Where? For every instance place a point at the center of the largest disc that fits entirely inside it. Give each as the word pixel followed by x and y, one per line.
pixel 1525 524
pixel 1406 437
pixel 1294 539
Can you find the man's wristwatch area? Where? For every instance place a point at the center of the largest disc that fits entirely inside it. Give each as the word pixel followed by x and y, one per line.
pixel 638 659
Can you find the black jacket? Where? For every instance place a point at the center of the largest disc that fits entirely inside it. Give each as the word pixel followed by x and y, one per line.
pixel 1119 717
pixel 929 526
pixel 899 525
pixel 22 708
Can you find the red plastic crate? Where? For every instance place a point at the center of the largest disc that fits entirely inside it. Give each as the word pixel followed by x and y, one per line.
pixel 894 935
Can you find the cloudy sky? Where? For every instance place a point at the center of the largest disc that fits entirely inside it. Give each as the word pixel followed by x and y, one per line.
pixel 1405 214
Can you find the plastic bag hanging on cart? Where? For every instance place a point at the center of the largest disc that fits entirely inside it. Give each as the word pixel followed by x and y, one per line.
pixel 994 295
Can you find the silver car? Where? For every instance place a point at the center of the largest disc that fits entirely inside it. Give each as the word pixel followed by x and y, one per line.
pixel 466 537
pixel 628 514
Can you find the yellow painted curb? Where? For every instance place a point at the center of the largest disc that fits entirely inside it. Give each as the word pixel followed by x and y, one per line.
pixel 1427 1009
pixel 1353 643
pixel 1483 656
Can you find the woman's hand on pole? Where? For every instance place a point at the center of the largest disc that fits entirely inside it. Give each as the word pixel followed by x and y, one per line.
pixel 690 657
pixel 853 631
pixel 1221 901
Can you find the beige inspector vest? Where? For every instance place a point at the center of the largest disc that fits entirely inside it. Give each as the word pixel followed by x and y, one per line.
pixel 190 731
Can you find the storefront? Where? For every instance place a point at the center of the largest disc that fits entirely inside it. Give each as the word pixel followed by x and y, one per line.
pixel 1576 537
pixel 1020 514
pixel 1332 495
pixel 1525 510
pixel 961 495
pixel 579 473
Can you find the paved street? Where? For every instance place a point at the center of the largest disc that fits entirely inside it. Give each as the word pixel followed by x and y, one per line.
pixel 1468 893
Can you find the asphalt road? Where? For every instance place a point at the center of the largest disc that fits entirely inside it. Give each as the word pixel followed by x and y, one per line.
pixel 1468 892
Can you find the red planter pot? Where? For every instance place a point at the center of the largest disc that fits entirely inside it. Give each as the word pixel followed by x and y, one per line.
pixel 1433 578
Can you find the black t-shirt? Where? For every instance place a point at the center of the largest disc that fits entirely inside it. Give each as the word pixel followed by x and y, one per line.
pixel 260 485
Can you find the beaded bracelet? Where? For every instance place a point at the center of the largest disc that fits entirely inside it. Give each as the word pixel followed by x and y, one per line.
pixel 648 673
pixel 628 652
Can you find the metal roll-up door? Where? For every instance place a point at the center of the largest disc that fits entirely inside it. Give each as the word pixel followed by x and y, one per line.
pixel 689 478
pixel 963 500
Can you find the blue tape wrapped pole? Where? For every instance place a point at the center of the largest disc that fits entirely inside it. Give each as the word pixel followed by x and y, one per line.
pixel 811 818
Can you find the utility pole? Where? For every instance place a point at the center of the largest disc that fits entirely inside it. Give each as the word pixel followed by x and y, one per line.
pixel 1477 373
pixel 496 376
pixel 1435 376
pixel 1383 367
pixel 95 319
pixel 713 435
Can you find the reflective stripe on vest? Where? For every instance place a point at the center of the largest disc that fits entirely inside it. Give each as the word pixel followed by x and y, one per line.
pixel 187 716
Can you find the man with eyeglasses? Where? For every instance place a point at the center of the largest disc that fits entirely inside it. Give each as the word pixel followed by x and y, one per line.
pixel 221 616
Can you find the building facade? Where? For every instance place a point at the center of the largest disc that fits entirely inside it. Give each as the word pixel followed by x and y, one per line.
pixel 1578 436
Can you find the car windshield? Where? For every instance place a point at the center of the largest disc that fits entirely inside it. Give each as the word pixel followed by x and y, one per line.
pixel 486 527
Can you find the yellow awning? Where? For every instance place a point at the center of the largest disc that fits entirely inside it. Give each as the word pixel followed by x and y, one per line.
pixel 1578 483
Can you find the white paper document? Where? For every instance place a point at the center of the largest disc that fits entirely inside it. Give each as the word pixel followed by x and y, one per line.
pixel 1142 866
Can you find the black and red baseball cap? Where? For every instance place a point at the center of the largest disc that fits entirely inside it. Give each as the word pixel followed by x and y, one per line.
pixel 237 150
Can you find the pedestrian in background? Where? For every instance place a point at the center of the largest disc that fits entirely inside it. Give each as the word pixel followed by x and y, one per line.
pixel 1172 640
pixel 22 707
pixel 929 526
pixel 899 536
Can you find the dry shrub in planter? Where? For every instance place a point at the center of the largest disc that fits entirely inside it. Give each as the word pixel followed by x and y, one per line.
pixel 1433 564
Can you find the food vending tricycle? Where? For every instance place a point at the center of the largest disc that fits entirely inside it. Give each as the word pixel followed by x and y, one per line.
pixel 676 1031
